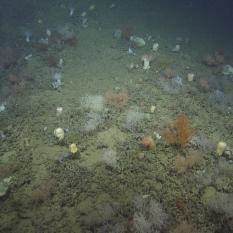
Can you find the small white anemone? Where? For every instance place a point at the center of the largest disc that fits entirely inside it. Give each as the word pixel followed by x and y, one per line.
pixel 146 59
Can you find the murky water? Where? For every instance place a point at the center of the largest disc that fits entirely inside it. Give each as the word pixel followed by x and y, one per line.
pixel 116 116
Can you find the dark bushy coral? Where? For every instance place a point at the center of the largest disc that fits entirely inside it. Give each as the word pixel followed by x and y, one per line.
pixel 8 57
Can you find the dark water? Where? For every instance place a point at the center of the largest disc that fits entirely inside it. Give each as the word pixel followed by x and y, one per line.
pixel 116 116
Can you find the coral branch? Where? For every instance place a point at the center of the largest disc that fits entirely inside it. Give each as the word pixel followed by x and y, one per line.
pixel 179 132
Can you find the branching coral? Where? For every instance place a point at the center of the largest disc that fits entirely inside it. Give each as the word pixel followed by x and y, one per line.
pixel 184 228
pixel 215 59
pixel 148 143
pixel 179 132
pixel 183 164
pixel 117 100
pixel 43 192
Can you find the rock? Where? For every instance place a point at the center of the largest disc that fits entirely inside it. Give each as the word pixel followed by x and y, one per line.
pixel 208 194
pixel 138 41
pixel 228 70
pixel 117 34
pixel 4 186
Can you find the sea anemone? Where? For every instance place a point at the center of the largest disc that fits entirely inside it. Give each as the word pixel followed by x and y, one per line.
pixel 73 149
pixel 146 59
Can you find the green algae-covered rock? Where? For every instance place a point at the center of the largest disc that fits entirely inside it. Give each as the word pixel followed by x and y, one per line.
pixel 208 194
pixel 4 186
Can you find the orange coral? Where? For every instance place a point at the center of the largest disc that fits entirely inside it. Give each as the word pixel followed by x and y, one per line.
pixel 71 41
pixel 179 132
pixel 204 85
pixel 148 143
pixel 43 192
pixel 180 202
pixel 14 79
pixel 117 100
pixel 127 32
pixel 183 164
pixel 18 82
pixel 169 73
pixel 184 228
pixel 7 170
pixel 8 57
pixel 52 60
pixel 215 59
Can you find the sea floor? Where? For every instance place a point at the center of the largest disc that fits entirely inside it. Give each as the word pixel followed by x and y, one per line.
pixel 126 176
